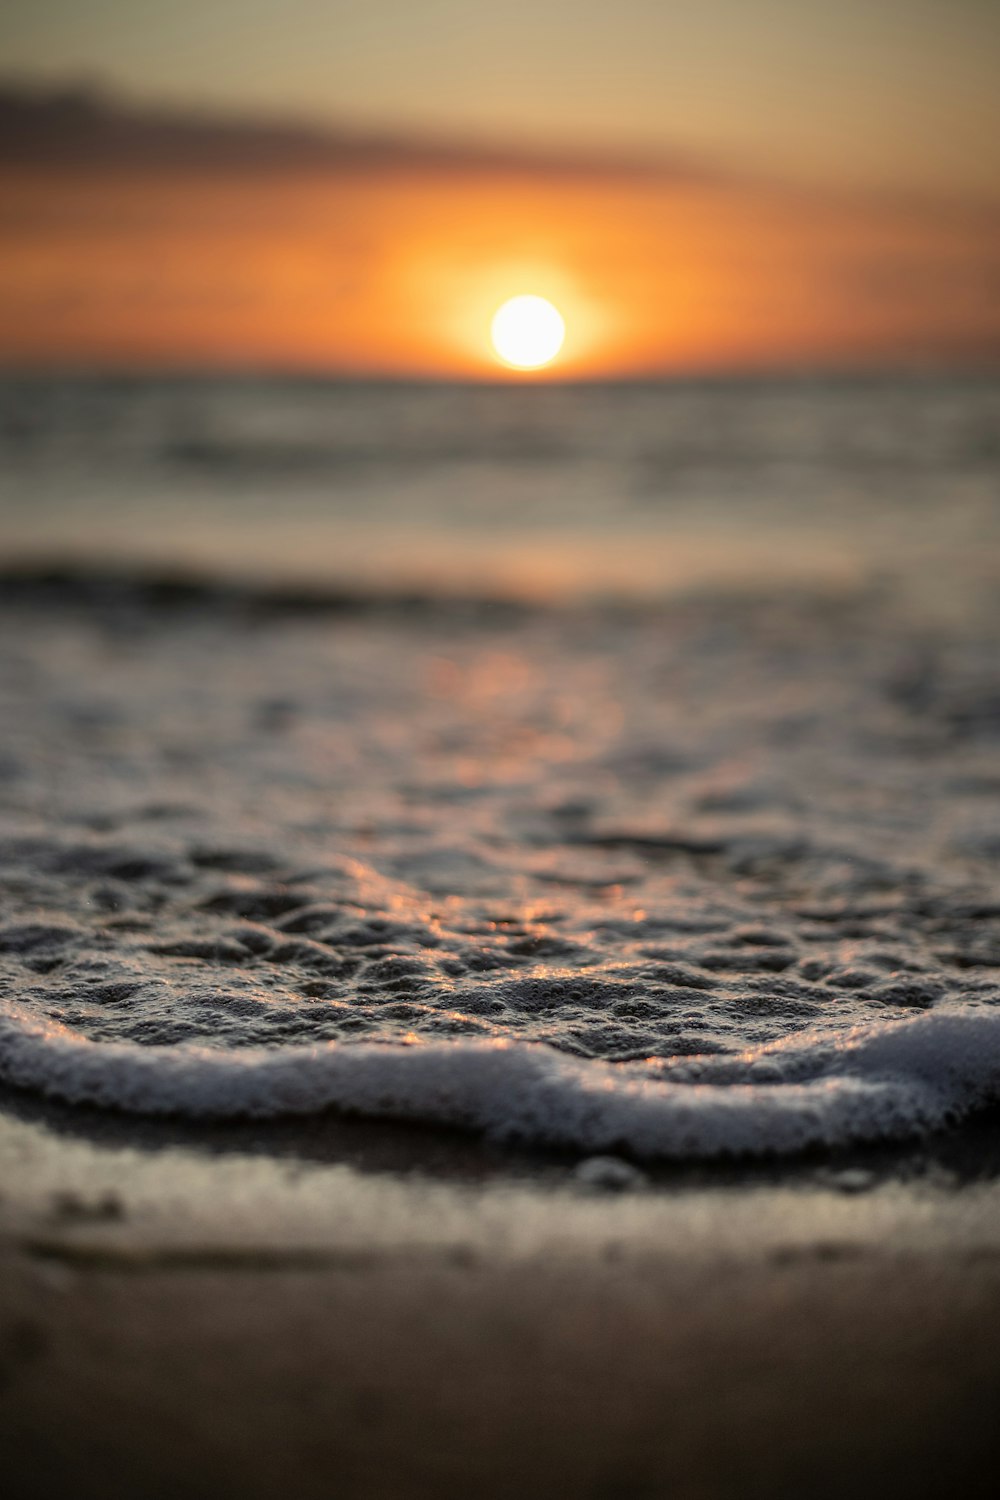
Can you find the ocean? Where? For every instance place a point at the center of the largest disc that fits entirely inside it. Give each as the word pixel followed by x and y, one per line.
pixel 607 768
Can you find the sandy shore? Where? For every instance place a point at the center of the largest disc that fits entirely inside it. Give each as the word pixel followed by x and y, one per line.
pixel 304 1312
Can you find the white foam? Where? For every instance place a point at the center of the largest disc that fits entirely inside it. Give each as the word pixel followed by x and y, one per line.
pixel 875 1082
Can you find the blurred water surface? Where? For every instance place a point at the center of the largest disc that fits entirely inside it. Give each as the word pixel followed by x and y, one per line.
pixel 536 490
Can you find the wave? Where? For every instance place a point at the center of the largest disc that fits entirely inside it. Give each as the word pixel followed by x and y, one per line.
pixel 876 1082
pixel 46 584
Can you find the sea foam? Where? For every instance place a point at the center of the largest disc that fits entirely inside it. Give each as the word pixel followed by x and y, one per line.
pixel 699 864
pixel 876 1082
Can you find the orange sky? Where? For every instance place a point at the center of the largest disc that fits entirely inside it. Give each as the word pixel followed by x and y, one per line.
pixel 737 184
pixel 399 272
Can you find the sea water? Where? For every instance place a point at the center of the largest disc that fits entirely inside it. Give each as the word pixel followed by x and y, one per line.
pixel 596 767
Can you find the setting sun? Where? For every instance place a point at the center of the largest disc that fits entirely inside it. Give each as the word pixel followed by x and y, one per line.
pixel 528 332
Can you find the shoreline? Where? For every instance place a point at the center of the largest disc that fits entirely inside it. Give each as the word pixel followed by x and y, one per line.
pixel 654 737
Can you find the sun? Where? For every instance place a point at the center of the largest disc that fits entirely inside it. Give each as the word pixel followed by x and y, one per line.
pixel 527 332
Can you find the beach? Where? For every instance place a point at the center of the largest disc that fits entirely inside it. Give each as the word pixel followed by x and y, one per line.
pixel 241 1316
pixel 500 938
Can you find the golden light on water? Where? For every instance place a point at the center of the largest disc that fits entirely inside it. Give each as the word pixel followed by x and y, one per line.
pixel 527 332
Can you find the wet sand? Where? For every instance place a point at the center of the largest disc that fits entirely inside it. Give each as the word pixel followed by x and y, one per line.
pixel 303 1311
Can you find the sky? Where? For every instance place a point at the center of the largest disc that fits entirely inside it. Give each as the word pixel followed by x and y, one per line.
pixel 886 91
pixel 818 183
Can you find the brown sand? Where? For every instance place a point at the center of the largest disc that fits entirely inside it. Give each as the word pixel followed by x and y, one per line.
pixel 255 1320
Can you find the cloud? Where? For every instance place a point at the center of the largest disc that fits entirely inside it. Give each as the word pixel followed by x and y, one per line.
pixel 83 127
